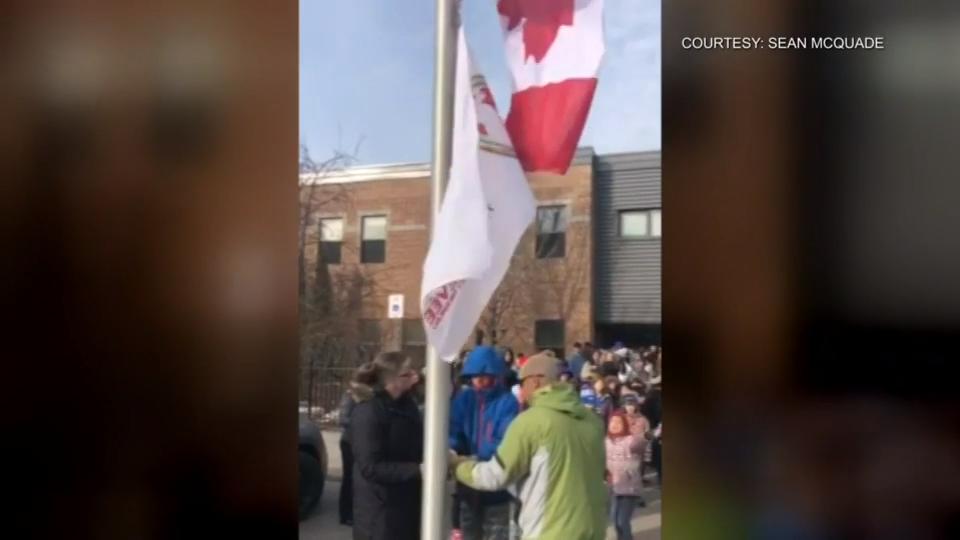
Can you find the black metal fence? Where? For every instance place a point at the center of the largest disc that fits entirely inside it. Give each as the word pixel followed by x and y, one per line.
pixel 327 387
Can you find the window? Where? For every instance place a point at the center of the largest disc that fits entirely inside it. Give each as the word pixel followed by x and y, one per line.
pixel 413 332
pixel 331 240
pixel 640 223
pixel 373 243
pixel 634 224
pixel 551 232
pixel 370 332
pixel 415 341
pixel 549 334
pixel 370 338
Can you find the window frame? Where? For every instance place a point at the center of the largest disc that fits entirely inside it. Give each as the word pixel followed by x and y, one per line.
pixel 364 326
pixel 415 349
pixel 364 242
pixel 326 246
pixel 647 213
pixel 558 347
pixel 559 238
pixel 417 326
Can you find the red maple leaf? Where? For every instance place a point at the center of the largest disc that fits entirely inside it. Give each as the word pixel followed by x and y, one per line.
pixel 543 21
pixel 482 129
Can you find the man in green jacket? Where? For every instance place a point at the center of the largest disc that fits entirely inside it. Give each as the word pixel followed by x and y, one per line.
pixel 552 459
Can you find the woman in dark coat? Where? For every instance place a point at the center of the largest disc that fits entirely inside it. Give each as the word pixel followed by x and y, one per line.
pixel 387 438
pixel 346 454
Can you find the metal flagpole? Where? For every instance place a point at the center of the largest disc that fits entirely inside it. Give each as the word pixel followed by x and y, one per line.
pixel 434 501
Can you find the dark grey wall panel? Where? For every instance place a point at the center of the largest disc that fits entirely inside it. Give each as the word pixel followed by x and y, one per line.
pixel 627 271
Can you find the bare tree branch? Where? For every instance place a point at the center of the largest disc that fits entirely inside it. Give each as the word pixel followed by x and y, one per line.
pixel 330 302
pixel 555 288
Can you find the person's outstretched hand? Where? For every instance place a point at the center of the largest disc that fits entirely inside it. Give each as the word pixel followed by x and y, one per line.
pixel 454 460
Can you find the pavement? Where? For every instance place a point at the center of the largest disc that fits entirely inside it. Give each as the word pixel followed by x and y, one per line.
pixel 331 438
pixel 324 524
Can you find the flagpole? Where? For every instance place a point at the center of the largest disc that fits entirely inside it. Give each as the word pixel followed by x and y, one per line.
pixel 433 503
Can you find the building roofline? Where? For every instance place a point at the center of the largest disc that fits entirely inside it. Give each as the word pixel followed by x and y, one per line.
pixel 401 171
pixel 367 173
pixel 633 153
pixel 629 160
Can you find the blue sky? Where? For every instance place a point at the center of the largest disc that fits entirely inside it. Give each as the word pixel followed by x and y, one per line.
pixel 366 72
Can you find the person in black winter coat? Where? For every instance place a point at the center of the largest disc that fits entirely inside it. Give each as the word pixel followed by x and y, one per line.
pixel 386 431
pixel 511 360
pixel 346 455
pixel 652 407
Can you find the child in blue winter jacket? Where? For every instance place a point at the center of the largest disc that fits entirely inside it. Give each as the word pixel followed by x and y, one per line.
pixel 594 398
pixel 478 421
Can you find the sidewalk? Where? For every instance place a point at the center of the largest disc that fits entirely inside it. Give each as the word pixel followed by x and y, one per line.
pixel 331 439
pixel 646 521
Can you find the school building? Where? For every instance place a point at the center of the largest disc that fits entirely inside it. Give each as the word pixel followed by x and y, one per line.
pixel 587 270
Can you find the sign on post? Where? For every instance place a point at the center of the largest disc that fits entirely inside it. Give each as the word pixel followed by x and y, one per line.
pixel 395 306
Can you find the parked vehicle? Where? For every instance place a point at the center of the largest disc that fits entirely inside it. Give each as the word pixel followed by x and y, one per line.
pixel 313 466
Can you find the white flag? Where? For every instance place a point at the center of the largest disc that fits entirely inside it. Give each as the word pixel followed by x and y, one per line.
pixel 487 207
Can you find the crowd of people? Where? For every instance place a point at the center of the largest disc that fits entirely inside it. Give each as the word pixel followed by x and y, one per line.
pixel 540 447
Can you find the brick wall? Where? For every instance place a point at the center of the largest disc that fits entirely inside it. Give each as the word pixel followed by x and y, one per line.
pixel 546 288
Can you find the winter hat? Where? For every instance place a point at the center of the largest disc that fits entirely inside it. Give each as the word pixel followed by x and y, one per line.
pixel 484 360
pixel 540 365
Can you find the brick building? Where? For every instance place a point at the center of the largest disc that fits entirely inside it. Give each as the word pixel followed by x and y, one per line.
pixel 373 227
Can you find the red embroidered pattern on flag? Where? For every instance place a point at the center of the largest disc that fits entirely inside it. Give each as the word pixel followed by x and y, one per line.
pixel 439 302
pixel 543 20
pixel 487 97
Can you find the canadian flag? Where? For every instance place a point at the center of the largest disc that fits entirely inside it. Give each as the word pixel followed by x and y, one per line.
pixel 486 209
pixel 554 49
